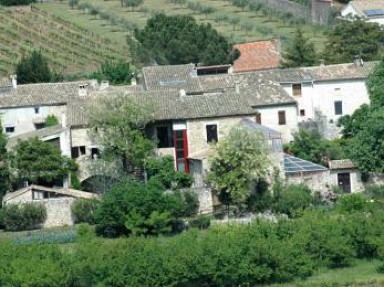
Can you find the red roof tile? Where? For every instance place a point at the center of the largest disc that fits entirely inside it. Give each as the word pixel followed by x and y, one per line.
pixel 258 55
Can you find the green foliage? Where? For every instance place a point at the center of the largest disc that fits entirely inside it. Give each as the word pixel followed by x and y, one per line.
pixel 23 217
pixel 116 73
pixel 350 38
pixel 300 53
pixel 83 210
pixel 33 69
pixel 375 192
pixel 4 169
pixel 16 2
pixel 162 169
pixel 180 40
pixel 39 162
pixel 239 161
pixel 311 146
pixel 200 222
pixel 133 3
pixel 51 121
pixel 117 123
pixel 293 200
pixel 73 3
pixel 133 207
pixel 352 203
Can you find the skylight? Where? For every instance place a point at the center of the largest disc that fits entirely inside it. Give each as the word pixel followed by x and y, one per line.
pixel 297 165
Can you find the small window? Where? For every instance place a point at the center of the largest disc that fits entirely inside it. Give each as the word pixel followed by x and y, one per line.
pixel 82 150
pixel 164 137
pixel 302 113
pixel 40 126
pixel 95 153
pixel 75 152
pixel 282 120
pixel 211 133
pixel 296 89
pixel 258 118
pixel 37 110
pixel 338 107
pixel 9 129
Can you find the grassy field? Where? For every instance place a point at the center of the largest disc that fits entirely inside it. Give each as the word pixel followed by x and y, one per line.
pixel 363 274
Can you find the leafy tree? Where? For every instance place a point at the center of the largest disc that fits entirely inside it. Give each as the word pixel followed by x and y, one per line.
pixel 23 217
pixel 73 3
pixel 16 2
pixel 311 146
pixel 350 38
pixel 33 69
pixel 117 124
pixel 51 121
pixel 241 3
pixel 134 207
pixel 133 3
pixel 115 73
pixel 240 160
pixel 300 53
pixel 39 162
pixel 180 40
pixel 364 127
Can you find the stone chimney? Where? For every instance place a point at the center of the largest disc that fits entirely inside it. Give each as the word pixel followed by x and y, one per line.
pixel 104 85
pixel 63 120
pixel 182 94
pixel 14 81
pixel 322 63
pixel 358 61
pixel 237 87
pixel 82 90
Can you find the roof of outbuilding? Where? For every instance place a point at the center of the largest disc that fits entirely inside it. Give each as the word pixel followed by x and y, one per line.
pixel 360 6
pixel 342 164
pixel 258 55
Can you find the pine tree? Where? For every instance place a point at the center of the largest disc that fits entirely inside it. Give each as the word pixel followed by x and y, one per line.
pixel 33 69
pixel 300 53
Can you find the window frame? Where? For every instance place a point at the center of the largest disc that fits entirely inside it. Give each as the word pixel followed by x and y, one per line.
pixel 338 109
pixel 212 138
pixel 282 118
pixel 297 89
pixel 9 131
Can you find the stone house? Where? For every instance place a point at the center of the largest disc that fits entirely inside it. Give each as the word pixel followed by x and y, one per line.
pixel 370 11
pixel 57 202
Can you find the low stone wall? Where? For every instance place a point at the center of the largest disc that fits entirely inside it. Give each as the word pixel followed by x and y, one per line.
pixel 58 211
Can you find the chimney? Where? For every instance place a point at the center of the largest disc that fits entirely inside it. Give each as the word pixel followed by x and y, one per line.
pixel 358 61
pixel 63 120
pixel 322 63
pixel 237 87
pixel 14 81
pixel 133 81
pixel 182 94
pixel 82 90
pixel 104 85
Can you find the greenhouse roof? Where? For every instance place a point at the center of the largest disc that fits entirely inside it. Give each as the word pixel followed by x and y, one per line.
pixel 297 165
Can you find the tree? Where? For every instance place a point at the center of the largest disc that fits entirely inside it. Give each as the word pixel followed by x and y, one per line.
pixel 239 161
pixel 73 3
pixel 133 3
pixel 311 146
pixel 180 40
pixel 350 38
pixel 39 162
pixel 241 4
pixel 116 73
pixel 300 53
pixel 364 127
pixel 16 2
pixel 33 69
pixel 117 123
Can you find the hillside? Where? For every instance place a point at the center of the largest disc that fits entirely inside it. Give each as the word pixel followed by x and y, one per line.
pixel 112 20
pixel 69 48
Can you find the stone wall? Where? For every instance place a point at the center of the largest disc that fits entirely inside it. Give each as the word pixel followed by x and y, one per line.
pixel 58 211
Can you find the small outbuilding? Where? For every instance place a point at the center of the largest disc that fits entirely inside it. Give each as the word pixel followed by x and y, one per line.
pixel 57 202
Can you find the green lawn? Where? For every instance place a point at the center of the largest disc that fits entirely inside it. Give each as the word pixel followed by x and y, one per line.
pixel 363 273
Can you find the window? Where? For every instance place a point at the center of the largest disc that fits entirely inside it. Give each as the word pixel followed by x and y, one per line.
pixel 40 126
pixel 211 133
pixel 37 110
pixel 37 195
pixel 82 150
pixel 95 153
pixel 164 137
pixel 296 89
pixel 338 107
pixel 77 151
pixel 302 113
pixel 282 120
pixel 258 118
pixel 9 129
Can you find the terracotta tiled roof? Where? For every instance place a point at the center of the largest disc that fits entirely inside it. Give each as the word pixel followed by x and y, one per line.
pixel 255 56
pixel 361 5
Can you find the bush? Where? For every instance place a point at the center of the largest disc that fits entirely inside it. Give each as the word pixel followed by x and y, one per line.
pixel 200 222
pixel 375 192
pixel 51 121
pixel 352 203
pixel 293 200
pixel 24 216
pixel 83 210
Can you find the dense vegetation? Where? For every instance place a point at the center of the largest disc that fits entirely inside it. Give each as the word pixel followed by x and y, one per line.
pixel 260 253
pixel 181 40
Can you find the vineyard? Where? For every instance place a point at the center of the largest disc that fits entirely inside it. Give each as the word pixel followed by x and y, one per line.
pixel 239 20
pixel 69 48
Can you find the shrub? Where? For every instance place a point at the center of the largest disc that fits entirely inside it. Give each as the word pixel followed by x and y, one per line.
pixel 83 210
pixel 200 222
pixel 293 200
pixel 375 191
pixel 51 120
pixel 24 216
pixel 351 203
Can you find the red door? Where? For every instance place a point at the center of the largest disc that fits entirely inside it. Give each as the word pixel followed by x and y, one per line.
pixel 181 149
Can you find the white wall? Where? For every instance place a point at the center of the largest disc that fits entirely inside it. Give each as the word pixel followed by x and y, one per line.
pixel 22 118
pixel 322 95
pixel 270 119
pixel 349 10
